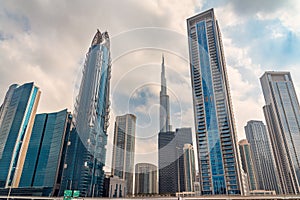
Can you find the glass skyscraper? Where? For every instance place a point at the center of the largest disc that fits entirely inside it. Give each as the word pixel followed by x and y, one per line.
pixel 282 113
pixel 171 160
pixel 87 149
pixel 183 136
pixel 124 149
pixel 219 167
pixel 167 165
pixel 16 120
pixel 263 157
pixel 247 163
pixel 44 161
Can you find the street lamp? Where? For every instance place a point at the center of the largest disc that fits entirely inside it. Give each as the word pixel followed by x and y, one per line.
pixel 9 192
pixel 178 172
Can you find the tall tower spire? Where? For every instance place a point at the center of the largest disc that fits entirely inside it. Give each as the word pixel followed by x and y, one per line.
pixel 163 78
pixel 164 119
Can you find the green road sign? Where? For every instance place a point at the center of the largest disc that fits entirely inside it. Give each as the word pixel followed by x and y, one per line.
pixel 76 193
pixel 67 193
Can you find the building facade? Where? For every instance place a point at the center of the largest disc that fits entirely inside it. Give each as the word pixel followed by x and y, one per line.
pixel 247 163
pixel 171 160
pixel 214 121
pixel 189 167
pixel 167 165
pixel 124 149
pixel 17 117
pixel 282 114
pixel 183 136
pixel 145 179
pixel 263 158
pixel 44 161
pixel 87 149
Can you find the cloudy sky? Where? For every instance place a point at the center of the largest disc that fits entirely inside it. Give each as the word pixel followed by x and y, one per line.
pixel 46 42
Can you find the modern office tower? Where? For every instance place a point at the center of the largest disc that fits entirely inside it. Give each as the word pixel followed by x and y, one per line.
pixel 182 136
pixel 189 167
pixel 123 149
pixel 17 117
pixel 282 113
pixel 44 160
pixel 247 163
pixel 167 163
pixel 214 121
pixel 171 160
pixel 263 158
pixel 87 148
pixel 164 112
pixel 145 179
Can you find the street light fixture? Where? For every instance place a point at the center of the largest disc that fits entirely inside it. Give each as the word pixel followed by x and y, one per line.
pixel 178 172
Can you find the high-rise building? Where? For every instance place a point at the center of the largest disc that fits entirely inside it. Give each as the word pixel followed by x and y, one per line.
pixel 189 167
pixel 145 179
pixel 87 149
pixel 282 113
pixel 171 160
pixel 16 120
pixel 167 163
pixel 123 149
pixel 216 138
pixel 44 161
pixel 263 159
pixel 247 163
pixel 164 112
pixel 183 136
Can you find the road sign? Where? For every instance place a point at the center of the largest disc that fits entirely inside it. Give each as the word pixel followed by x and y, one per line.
pixel 76 193
pixel 67 193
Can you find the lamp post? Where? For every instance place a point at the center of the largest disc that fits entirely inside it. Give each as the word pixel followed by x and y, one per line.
pixel 178 170
pixel 8 192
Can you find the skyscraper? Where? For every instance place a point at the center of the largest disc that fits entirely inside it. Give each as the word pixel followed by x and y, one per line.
pixel 183 136
pixel 145 178
pixel 263 157
pixel 44 161
pixel 189 167
pixel 17 118
pixel 171 160
pixel 123 149
pixel 214 121
pixel 164 112
pixel 87 149
pixel 167 163
pixel 282 113
pixel 247 163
